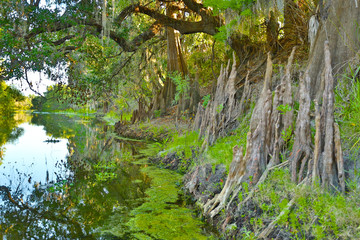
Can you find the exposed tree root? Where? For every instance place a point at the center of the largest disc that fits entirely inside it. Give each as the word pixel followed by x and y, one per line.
pixel 261 180
pixel 245 98
pixel 263 141
pixel 302 150
pixel 236 171
pixel 222 112
pixel 328 164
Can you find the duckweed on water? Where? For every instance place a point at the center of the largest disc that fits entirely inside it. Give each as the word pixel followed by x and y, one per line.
pixel 161 217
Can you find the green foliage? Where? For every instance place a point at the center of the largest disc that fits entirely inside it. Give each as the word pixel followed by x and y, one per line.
pixel 284 108
pixel 347 104
pixel 243 9
pixel 157 113
pixel 316 213
pixel 219 5
pixel 222 151
pixel 286 135
pixel 206 55
pixel 182 85
pixel 206 100
pixel 11 99
pixel 9 96
pixel 224 31
pixel 219 108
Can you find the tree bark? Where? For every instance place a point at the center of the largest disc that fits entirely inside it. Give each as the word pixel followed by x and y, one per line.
pixel 262 139
pixel 175 64
pixel 301 151
pixel 221 113
pixel 328 160
pixel 339 24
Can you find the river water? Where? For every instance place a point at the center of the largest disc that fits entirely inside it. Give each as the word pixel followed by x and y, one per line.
pixel 65 177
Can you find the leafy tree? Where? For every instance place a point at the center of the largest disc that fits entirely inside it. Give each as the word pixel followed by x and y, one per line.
pixel 54 38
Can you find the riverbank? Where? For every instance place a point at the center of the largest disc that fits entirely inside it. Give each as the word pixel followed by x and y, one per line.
pixel 276 206
pixel 82 178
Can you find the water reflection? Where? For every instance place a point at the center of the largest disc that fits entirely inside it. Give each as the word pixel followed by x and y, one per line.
pixel 9 130
pixel 86 186
pixel 32 160
pixel 67 189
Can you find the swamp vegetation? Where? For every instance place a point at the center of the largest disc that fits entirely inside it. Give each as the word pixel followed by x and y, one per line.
pixel 87 185
pixel 249 109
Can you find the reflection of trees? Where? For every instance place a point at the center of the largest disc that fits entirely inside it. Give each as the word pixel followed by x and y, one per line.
pixel 9 131
pixel 8 123
pixel 30 219
pixel 57 125
pixel 75 207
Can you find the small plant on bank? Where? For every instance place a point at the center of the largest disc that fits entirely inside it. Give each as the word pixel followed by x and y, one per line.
pixel 316 213
pixel 206 100
pixel 347 103
pixel 182 85
pixel 284 108
pixel 219 108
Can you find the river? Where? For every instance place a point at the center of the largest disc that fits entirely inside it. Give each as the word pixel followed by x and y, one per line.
pixel 66 177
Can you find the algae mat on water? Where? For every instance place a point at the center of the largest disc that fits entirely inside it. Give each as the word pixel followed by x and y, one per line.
pixel 161 216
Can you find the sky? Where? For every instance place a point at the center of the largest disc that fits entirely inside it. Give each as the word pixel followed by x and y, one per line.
pixel 40 83
pixel 30 160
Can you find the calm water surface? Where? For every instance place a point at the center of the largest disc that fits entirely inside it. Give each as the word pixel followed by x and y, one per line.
pixel 69 178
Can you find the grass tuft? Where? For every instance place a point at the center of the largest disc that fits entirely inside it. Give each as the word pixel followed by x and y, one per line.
pixel 221 152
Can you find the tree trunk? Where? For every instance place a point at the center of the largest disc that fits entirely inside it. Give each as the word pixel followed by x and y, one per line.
pixel 301 151
pixel 339 24
pixel 327 163
pixel 175 63
pixel 172 66
pixel 222 112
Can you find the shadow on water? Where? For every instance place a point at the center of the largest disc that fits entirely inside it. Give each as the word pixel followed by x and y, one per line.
pixel 92 191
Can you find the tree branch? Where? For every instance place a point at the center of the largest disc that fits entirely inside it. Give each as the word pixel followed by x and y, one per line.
pixel 62 40
pixel 30 84
pixel 208 23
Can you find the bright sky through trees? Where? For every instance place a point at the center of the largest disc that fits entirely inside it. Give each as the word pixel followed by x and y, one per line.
pixel 40 84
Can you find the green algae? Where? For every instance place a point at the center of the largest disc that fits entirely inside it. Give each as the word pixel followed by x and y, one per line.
pixel 161 216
